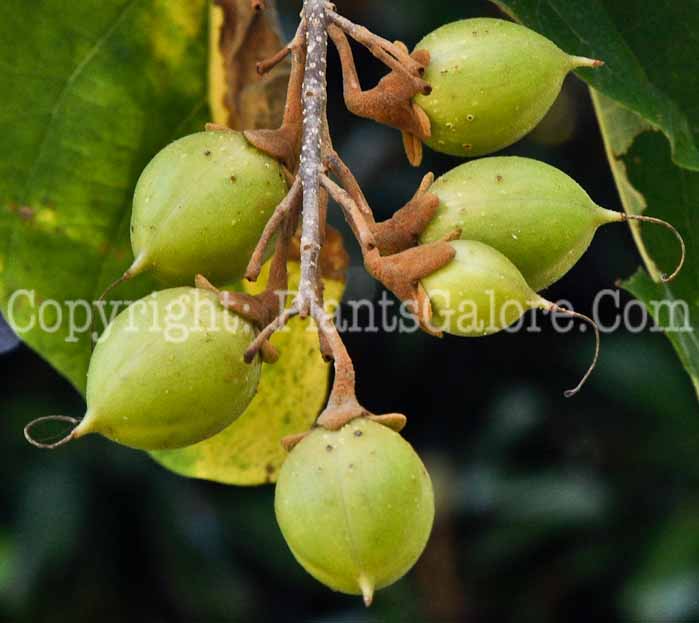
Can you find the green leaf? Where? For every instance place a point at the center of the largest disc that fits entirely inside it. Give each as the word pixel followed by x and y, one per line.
pixel 650 183
pixel 91 91
pixel 289 398
pixel 648 84
pixel 678 318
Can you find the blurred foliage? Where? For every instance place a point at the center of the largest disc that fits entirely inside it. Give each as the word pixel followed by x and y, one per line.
pixel 549 509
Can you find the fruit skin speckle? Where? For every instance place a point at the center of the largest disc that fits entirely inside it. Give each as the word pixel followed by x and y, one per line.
pixel 356 518
pixel 200 209
pixel 492 82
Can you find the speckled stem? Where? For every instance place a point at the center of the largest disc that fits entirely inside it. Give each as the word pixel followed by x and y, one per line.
pixel 317 152
pixel 314 115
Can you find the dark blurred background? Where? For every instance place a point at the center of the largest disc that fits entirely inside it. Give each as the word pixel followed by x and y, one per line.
pixel 548 509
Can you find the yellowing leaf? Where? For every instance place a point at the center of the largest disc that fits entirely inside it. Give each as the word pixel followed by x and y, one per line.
pixel 91 91
pixel 239 37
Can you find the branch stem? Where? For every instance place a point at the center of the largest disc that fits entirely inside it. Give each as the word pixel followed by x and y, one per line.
pixel 289 203
pixel 311 189
pixel 354 216
pixel 314 95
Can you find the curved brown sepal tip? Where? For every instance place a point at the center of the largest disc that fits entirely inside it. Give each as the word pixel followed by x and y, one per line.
pixel 394 421
pixel 217 127
pixel 423 57
pixel 423 121
pixel 423 313
pixel 280 144
pixel 269 353
pixel 413 148
pixel 203 283
pixel 291 441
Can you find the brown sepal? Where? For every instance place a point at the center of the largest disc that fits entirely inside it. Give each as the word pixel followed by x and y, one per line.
pixel 403 229
pixel 337 419
pixel 401 274
pixel 281 144
pixel 291 441
pixel 334 417
pixel 217 127
pixel 284 143
pixel 390 101
pixel 250 308
pixel 394 421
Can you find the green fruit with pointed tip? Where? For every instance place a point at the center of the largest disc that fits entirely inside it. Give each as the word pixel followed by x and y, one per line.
pixel 492 82
pixel 168 372
pixel 200 206
pixel 536 215
pixel 355 506
pixel 480 292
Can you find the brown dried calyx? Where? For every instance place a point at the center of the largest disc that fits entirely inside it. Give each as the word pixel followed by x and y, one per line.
pixel 343 406
pixel 334 258
pixel 403 229
pixel 394 421
pixel 401 274
pixel 390 102
pixel 284 143
pixel 390 249
pixel 259 310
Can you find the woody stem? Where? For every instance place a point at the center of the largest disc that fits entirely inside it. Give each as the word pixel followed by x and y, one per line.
pixel 314 94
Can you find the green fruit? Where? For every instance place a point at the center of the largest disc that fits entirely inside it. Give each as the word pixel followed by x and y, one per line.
pixel 536 215
pixel 200 206
pixel 169 372
pixel 481 292
pixel 355 506
pixel 492 82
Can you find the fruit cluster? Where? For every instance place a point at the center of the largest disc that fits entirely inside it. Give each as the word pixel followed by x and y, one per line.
pixel 469 253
